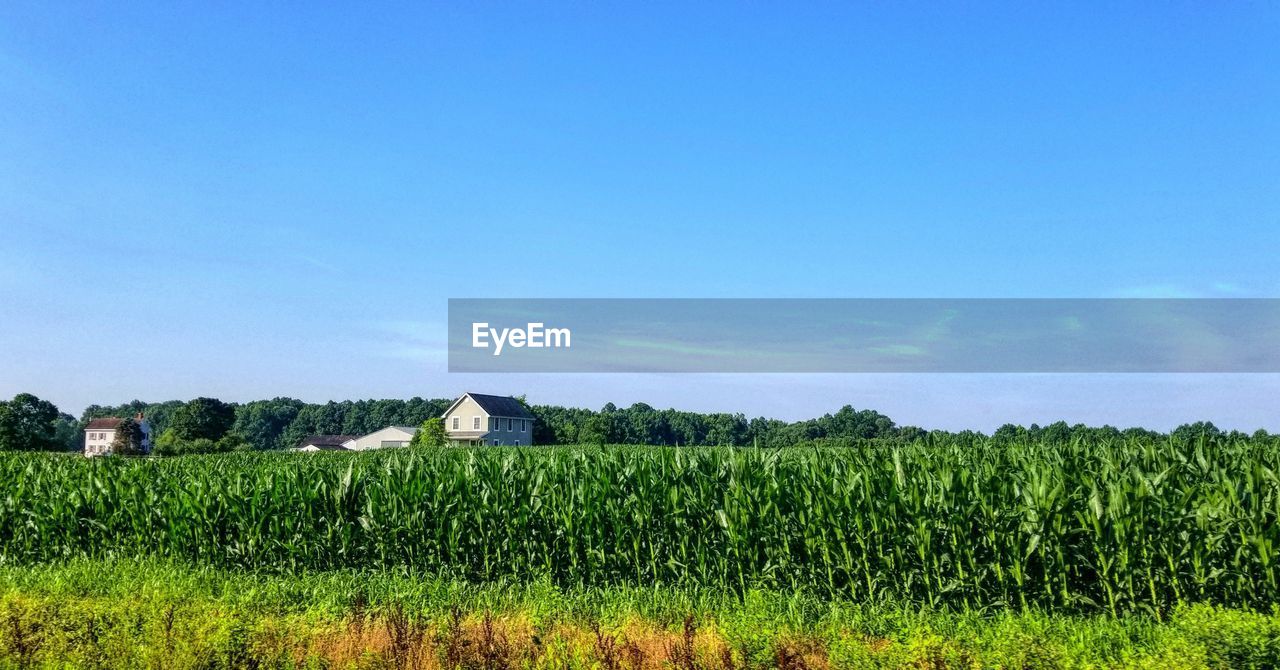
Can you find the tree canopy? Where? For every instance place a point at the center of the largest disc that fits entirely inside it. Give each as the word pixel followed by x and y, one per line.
pixel 203 418
pixel 128 438
pixel 28 423
pixel 283 422
pixel 430 434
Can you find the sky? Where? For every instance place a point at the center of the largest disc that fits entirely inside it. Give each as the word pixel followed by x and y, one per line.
pixel 253 200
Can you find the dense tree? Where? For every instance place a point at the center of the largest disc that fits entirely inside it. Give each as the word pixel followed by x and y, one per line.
pixel 430 434
pixel 912 433
pixel 128 438
pixel 67 433
pixel 282 422
pixel 262 423
pixel 207 418
pixel 169 444
pixel 1199 429
pixel 28 423
pixel 1009 432
pixel 157 414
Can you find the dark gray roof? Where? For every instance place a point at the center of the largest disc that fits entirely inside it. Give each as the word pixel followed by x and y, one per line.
pixel 326 447
pixel 325 440
pixel 501 405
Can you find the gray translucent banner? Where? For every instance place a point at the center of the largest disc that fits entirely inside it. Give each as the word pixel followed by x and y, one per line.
pixel 864 335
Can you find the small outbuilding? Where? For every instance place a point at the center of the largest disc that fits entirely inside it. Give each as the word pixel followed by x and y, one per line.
pixel 391 436
pixel 326 443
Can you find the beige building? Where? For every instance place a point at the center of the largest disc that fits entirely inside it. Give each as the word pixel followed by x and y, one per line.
pixel 100 433
pixel 391 436
pixel 476 418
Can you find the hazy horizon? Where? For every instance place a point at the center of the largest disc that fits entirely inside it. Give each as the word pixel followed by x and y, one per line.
pixel 918 400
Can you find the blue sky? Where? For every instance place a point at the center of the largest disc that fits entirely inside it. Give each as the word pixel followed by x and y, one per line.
pixel 253 200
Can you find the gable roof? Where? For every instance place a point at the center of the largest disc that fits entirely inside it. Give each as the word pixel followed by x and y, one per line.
pixel 408 430
pixel 322 447
pixel 108 423
pixel 325 440
pixel 495 405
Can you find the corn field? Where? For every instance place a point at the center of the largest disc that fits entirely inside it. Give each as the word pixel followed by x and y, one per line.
pixel 1088 526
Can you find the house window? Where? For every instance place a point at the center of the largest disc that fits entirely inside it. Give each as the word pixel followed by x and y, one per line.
pixel 455 423
pixel 508 425
pixel 475 423
pixel 517 443
pixel 493 424
pixel 522 427
pixel 495 442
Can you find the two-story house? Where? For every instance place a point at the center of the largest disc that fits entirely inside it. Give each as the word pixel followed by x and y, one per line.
pixel 100 433
pixel 476 418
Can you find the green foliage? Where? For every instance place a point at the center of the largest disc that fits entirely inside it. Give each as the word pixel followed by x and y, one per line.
pixel 1121 525
pixel 123 613
pixel 169 444
pixel 263 422
pixel 1233 639
pixel 207 418
pixel 157 414
pixel 1199 429
pixel 28 423
pixel 128 439
pixel 282 422
pixel 67 434
pixel 430 434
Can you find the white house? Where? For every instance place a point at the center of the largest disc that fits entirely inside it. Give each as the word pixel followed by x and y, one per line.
pixel 476 418
pixel 391 436
pixel 100 433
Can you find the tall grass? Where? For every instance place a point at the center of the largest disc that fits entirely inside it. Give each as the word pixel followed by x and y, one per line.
pixel 152 613
pixel 1113 526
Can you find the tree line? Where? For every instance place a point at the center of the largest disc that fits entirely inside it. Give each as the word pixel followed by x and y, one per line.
pixel 208 424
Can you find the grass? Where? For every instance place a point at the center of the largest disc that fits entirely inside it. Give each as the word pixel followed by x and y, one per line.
pixel 130 613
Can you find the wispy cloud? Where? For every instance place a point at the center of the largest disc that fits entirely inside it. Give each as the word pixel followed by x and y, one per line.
pixel 1157 291
pixel 320 264
pixel 422 341
pixel 1215 289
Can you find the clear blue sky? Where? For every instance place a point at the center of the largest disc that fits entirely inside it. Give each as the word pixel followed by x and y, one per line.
pixel 262 200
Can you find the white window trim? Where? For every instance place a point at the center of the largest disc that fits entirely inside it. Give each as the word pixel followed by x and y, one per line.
pixel 475 423
pixel 456 421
